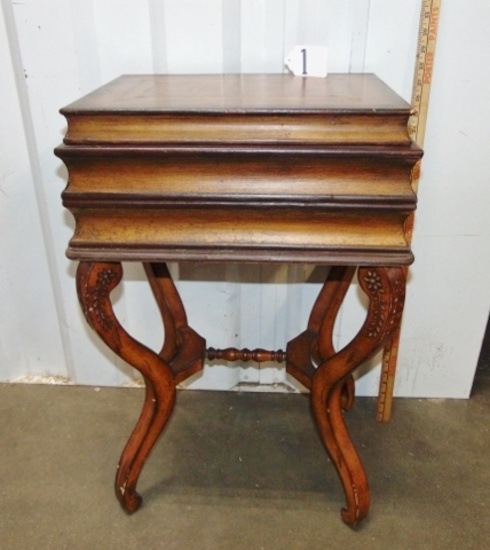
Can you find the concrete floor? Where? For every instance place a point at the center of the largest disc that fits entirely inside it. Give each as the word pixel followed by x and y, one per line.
pixel 239 471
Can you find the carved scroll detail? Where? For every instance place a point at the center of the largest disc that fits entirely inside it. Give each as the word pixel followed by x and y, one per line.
pixel 384 306
pixel 107 279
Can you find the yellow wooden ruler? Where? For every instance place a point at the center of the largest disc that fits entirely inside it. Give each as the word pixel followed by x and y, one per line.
pixel 426 45
pixel 429 20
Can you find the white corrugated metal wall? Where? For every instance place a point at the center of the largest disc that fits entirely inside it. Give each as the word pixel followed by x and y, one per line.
pixel 53 51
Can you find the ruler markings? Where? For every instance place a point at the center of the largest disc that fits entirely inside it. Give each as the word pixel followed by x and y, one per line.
pixel 422 81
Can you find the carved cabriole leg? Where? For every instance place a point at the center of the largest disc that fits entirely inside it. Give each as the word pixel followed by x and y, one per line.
pixel 324 343
pixel 95 281
pixel 183 348
pixel 306 351
pixel 385 288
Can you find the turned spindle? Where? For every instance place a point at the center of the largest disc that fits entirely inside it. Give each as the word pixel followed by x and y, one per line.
pixel 234 354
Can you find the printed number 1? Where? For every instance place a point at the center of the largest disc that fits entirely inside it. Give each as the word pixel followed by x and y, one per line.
pixel 303 51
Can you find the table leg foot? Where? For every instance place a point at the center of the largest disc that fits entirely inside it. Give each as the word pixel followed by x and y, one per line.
pixel 331 383
pixel 157 408
pixel 327 410
pixel 95 282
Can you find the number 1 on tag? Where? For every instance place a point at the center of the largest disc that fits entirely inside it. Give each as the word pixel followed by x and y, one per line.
pixel 307 60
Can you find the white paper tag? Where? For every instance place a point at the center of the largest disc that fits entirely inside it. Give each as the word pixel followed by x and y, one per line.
pixel 307 60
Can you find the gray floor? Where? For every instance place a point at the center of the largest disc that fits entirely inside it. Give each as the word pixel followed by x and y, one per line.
pixel 237 471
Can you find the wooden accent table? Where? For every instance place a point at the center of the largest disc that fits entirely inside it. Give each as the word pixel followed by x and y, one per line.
pixel 252 168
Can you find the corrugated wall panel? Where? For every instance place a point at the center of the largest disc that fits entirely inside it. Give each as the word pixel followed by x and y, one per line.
pixel 61 49
pixel 82 47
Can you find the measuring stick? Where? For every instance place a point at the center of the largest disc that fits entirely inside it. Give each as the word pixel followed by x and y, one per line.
pixel 426 45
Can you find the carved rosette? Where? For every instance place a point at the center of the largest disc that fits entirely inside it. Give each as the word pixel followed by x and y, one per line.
pixel 386 291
